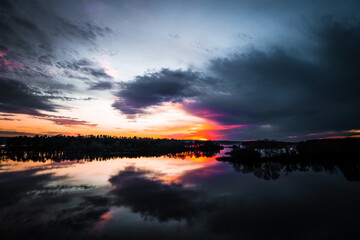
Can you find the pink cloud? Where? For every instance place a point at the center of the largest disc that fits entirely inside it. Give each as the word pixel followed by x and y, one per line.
pixel 8 64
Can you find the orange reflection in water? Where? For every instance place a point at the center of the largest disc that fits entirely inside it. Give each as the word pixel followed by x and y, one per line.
pixel 99 226
pixel 97 173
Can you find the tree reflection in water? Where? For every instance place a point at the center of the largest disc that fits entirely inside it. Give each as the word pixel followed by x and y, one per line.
pixel 268 159
pixel 140 199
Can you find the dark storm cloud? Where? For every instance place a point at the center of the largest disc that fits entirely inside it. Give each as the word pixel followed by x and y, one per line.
pixel 101 86
pixel 66 121
pixel 44 30
pixel 97 73
pixel 83 66
pixel 164 86
pixel 35 39
pixel 46 59
pixel 30 42
pixel 86 31
pixel 279 91
pixel 25 23
pixel 21 35
pixel 6 6
pixel 66 98
pixel 17 97
pixel 291 94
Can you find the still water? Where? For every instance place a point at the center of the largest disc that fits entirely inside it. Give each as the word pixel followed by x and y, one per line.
pixel 183 197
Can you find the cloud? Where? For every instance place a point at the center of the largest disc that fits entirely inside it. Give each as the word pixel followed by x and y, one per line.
pixel 84 66
pixel 46 29
pixel 30 48
pixel 6 5
pixel 25 23
pixel 101 86
pixel 15 133
pixel 290 94
pixel 66 121
pixel 86 31
pixel 156 88
pixel 46 59
pixel 32 45
pixel 174 36
pixel 17 97
pixel 276 92
pixel 8 64
pixel 8 119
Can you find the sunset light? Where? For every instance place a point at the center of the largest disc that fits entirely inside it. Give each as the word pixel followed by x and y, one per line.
pixel 179 119
pixel 122 69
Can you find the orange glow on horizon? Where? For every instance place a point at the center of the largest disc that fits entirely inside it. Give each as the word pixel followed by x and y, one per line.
pixel 339 137
pixel 192 129
pixel 94 119
pixel 209 131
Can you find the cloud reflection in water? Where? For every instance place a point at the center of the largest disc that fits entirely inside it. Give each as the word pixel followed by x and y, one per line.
pixel 173 197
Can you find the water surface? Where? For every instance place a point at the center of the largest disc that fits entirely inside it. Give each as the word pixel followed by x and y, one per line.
pixel 177 197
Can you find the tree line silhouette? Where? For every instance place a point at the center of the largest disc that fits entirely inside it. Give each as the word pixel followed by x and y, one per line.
pixel 100 147
pixel 266 159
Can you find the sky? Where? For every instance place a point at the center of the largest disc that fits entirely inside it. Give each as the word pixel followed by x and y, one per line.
pixel 218 70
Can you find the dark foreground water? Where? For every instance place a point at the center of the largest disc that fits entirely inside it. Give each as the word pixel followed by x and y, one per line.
pixel 184 197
